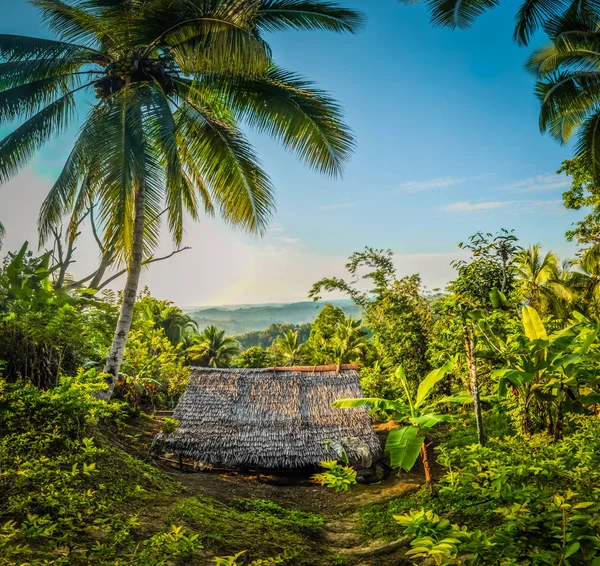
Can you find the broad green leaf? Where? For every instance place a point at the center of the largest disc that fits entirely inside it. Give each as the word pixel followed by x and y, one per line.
pixel 429 420
pixel 571 549
pixel 403 446
pixel 532 324
pixel 589 341
pixel 590 399
pixel 498 299
pixel 427 385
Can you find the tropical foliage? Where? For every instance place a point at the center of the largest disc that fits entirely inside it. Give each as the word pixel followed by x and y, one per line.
pixel 172 82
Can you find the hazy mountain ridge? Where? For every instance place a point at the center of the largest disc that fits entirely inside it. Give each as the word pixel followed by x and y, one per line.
pixel 245 318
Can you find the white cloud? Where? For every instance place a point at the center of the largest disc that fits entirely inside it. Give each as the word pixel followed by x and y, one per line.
pixel 546 182
pixel 543 207
pixel 474 206
pixel 430 184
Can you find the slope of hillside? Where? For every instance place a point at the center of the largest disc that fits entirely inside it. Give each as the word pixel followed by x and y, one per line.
pixel 238 319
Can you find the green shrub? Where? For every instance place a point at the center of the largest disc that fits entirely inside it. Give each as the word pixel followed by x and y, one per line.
pixel 66 489
pixel 538 500
pixel 336 475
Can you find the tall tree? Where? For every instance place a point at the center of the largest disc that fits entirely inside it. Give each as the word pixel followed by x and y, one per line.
pixel 211 348
pixel 288 349
pixel 538 276
pixel 349 341
pixel 172 80
pixel 395 309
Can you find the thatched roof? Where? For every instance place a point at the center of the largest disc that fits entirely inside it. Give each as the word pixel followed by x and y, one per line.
pixel 271 418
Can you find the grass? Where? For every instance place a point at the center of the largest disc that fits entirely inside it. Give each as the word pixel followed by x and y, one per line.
pixel 258 526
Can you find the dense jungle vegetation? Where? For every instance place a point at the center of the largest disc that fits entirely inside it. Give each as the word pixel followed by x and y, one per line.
pixel 490 387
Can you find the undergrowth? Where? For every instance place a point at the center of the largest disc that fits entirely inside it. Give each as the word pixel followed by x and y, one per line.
pixel 259 526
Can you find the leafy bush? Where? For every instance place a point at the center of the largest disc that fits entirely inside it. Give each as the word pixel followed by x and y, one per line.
pixel 336 475
pixel 65 487
pixel 153 370
pixel 539 499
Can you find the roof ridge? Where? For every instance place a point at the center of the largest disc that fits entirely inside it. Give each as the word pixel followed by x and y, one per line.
pixel 293 369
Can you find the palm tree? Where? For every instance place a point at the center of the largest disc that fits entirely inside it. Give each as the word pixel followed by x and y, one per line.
pixel 568 86
pixel 585 282
pixel 288 349
pixel 349 341
pixel 211 348
pixel 2 233
pixel 532 14
pixel 172 79
pixel 539 278
pixel 175 324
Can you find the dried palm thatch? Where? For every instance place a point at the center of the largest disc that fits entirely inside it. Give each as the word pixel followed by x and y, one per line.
pixel 269 418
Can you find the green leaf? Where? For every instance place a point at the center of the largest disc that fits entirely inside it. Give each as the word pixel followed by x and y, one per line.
pixel 429 420
pixel 498 299
pixel 427 385
pixel 404 445
pixel 532 324
pixel 572 549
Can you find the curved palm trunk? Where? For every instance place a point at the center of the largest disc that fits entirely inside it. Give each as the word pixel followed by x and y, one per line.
pixel 115 357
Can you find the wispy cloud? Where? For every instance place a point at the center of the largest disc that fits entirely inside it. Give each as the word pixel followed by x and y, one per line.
pixel 474 206
pixel 430 184
pixel 338 205
pixel 542 207
pixel 546 182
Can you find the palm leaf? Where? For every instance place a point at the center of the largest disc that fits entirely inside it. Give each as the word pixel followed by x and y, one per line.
pixel 588 145
pixel 17 148
pixel 21 47
pixel 287 108
pixel 228 166
pixel 458 13
pixel 73 24
pixel 21 102
pixel 276 15
pixel 532 15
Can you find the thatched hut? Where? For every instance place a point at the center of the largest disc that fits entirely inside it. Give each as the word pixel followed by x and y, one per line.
pixel 270 418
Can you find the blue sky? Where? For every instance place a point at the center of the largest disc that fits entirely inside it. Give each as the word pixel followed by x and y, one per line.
pixel 447 144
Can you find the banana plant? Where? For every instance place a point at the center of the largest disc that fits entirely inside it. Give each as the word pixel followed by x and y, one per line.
pixel 415 413
pixel 550 370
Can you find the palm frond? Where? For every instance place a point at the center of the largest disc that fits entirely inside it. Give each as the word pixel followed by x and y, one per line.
pixel 565 102
pixel 458 13
pixel 73 24
pixel 17 148
pixel 228 166
pixel 288 108
pixel 179 191
pixel 213 36
pixel 121 157
pixel 588 145
pixel 276 15
pixel 22 102
pixel 21 47
pixel 532 15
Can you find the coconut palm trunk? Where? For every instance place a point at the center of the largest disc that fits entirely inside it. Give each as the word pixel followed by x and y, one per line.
pixel 117 349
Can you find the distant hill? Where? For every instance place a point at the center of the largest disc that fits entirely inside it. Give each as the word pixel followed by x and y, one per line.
pixel 238 319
